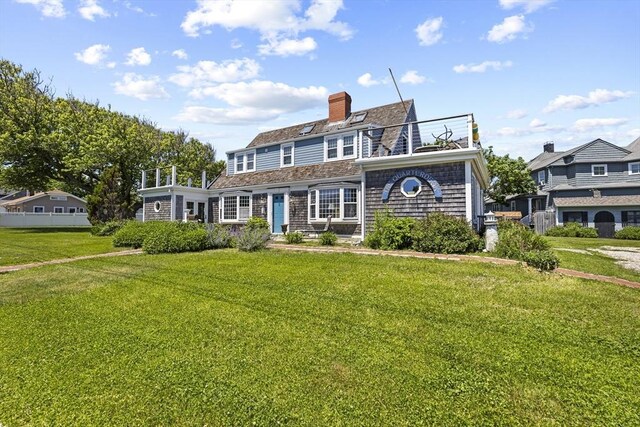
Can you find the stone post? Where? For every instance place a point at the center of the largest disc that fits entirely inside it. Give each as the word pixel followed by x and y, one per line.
pixel 491 231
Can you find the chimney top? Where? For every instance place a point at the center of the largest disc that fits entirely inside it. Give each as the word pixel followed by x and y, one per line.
pixel 548 147
pixel 339 107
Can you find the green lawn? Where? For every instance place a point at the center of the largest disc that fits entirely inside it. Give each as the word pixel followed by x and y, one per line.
pixel 593 262
pixel 27 245
pixel 228 338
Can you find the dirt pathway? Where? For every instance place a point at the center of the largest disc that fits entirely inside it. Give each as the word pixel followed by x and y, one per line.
pixel 8 268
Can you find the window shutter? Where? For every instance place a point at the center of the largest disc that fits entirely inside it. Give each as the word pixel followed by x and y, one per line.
pixel 625 216
pixel 585 219
pixel 565 216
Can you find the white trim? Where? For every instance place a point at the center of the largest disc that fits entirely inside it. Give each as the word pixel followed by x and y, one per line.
pixel 157 206
pixel 363 200
pixel 172 212
pixel 237 219
pixel 58 207
pixel 75 209
pixel 606 170
pixel 263 188
pixel 543 179
pixel 414 178
pixel 630 167
pixel 340 146
pixel 244 154
pixel 467 191
pixel 282 147
pixel 340 189
pixel 34 209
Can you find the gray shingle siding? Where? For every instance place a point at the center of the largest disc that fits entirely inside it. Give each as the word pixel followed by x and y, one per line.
pixel 268 158
pixel 617 173
pixel 599 151
pixel 309 151
pixel 165 208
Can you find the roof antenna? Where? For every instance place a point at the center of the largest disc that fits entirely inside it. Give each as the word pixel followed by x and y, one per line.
pixel 398 90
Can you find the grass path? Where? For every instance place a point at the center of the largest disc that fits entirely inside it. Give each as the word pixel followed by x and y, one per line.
pixel 18 267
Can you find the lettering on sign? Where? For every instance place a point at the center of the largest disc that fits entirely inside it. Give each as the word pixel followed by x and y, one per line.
pixel 437 191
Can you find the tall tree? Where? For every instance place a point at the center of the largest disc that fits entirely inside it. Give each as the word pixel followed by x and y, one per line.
pixel 508 176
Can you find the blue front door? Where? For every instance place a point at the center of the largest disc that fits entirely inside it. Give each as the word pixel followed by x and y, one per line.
pixel 278 213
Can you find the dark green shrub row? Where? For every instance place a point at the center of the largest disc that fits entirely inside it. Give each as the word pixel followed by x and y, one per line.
pixel 438 232
pixel 515 241
pixel 294 237
pixel 542 260
pixel 253 239
pixel 132 233
pixel 257 222
pixel 628 233
pixel 572 229
pixel 328 238
pixel 107 228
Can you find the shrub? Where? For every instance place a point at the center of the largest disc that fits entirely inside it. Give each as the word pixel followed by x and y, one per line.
pixel 628 233
pixel 542 260
pixel 253 239
pixel 172 237
pixel 328 238
pixel 390 232
pixel 132 233
pixel 572 229
pixel 107 228
pixel 446 234
pixel 293 238
pixel 257 222
pixel 514 242
pixel 218 236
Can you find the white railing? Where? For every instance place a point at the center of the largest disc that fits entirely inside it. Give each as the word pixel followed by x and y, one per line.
pixel 30 219
pixel 168 176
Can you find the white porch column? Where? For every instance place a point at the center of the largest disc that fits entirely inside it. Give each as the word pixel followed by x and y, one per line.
pixel 529 207
pixel 173 175
pixel 467 191
pixel 143 184
pixel 157 177
pixel 204 179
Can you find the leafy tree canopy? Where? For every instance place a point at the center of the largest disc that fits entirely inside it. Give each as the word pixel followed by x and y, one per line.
pixel 508 176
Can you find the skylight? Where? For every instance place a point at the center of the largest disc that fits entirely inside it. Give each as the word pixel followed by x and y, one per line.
pixel 306 129
pixel 359 117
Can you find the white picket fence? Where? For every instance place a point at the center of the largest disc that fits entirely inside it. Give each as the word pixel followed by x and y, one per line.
pixel 28 219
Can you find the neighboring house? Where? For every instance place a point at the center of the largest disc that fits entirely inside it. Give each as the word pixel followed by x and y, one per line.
pixel 342 168
pixel 596 184
pixel 55 201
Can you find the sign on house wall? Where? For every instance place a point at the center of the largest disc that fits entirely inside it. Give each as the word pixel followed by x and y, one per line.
pixel 437 191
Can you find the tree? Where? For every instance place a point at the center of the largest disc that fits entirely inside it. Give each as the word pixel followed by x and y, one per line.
pixel 508 176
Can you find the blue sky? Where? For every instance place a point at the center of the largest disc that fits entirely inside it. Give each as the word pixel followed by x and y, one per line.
pixel 530 70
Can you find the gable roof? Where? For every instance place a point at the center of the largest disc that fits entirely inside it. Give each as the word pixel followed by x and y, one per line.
pixel 545 159
pixel 384 115
pixel 37 196
pixel 634 147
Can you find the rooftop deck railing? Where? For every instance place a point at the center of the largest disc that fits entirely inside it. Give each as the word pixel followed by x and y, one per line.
pixel 170 176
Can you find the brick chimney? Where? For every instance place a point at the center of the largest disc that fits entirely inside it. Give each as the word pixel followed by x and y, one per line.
pixel 548 147
pixel 339 107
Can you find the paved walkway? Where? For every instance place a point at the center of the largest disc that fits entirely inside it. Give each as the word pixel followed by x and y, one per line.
pixel 8 268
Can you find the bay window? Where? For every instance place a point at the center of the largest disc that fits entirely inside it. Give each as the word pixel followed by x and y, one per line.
pixel 235 208
pixel 339 203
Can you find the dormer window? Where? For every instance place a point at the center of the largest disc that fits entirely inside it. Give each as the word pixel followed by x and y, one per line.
pixel 307 128
pixel 541 177
pixel 599 170
pixel 287 155
pixel 634 168
pixel 359 117
pixel 340 147
pixel 246 162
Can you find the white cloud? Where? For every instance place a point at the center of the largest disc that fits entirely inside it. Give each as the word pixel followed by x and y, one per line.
pixel 93 55
pixel 138 56
pixel 278 22
pixel 367 80
pixel 180 54
pixel 210 72
pixel 537 123
pixel 236 44
pixel 481 68
pixel 138 86
pixel 48 8
pixel 510 28
pixel 111 65
pixel 528 5
pixel 584 125
pixel 252 102
pixel 595 97
pixel 413 78
pixel 516 114
pixel 429 32
pixel 287 47
pixel 136 9
pixel 89 9
pixel 634 133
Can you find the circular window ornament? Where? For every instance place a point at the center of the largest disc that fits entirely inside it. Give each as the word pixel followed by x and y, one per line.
pixel 411 186
pixel 156 206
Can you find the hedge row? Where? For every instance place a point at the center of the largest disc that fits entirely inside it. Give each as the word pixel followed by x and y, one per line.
pixel 572 229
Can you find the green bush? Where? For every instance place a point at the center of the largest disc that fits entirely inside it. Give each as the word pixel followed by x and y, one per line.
pixel 542 260
pixel 132 233
pixel 328 238
pixel 390 232
pixel 173 237
pixel 572 229
pixel 515 241
pixel 257 222
pixel 446 234
pixel 107 228
pixel 219 236
pixel 253 239
pixel 293 238
pixel 628 233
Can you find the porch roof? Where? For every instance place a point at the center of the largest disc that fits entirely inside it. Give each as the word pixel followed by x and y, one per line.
pixel 569 202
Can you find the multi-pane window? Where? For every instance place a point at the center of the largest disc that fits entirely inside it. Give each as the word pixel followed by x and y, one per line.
pixel 38 209
pixel 190 207
pixel 340 203
pixel 245 162
pixel 630 218
pixel 239 162
pixel 236 208
pixel 251 161
pixel 540 176
pixel 575 216
pixel 634 168
pixel 340 147
pixel 58 209
pixel 599 170
pixel 332 148
pixel 244 207
pixel 287 155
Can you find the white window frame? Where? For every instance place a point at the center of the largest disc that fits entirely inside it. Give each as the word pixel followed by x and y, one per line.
pixel 244 161
pixel 513 206
pixel 606 170
pixel 237 196
pixel 58 207
pixel 541 179
pixel 72 208
pixel 407 179
pixel 82 210
pixel 631 165
pixel 35 207
pixel 340 146
pixel 59 198
pixel 282 147
pixel 316 218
